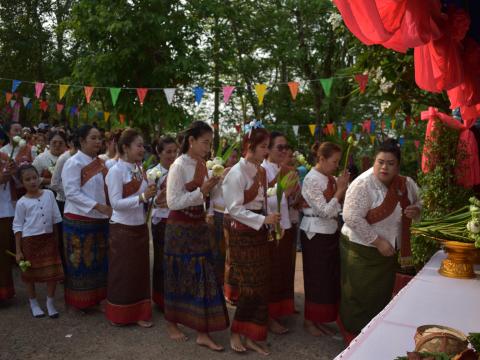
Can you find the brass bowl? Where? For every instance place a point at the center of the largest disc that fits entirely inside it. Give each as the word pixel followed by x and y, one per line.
pixel 460 259
pixel 437 338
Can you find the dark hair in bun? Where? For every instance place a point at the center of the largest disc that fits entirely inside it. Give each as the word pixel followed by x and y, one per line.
pixel 196 129
pixel 390 146
pixel 325 149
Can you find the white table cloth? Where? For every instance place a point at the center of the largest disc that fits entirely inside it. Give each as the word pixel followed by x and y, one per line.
pixel 429 298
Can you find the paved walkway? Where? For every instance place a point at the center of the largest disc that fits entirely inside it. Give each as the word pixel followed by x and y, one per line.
pixel 77 336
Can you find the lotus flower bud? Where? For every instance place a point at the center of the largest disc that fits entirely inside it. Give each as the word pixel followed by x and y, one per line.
pixel 272 191
pixel 210 164
pixel 217 170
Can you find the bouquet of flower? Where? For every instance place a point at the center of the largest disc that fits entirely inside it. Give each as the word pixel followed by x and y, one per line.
pixel 153 176
pixel 51 168
pixel 461 225
pixel 23 264
pixel 218 162
pixel 283 183
pixel 17 141
pixel 351 143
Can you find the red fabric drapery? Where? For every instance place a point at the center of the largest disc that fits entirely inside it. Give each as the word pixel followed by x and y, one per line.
pixel 468 166
pixel 444 59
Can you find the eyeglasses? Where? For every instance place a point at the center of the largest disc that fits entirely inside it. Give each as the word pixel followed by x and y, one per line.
pixel 282 147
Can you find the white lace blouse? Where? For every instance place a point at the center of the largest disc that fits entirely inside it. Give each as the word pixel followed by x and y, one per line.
pixel 81 200
pixel 126 210
pixel 240 178
pixel 182 172
pixel 367 192
pixel 321 217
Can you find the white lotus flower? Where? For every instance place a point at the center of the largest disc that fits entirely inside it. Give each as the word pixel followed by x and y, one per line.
pixel 217 161
pixel 16 139
pixel 154 174
pixel 272 191
pixel 210 164
pixel 51 169
pixel 217 170
pixel 22 143
pixel 473 226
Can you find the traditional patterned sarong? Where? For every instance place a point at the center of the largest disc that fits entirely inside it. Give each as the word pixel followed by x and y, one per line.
pixel 218 248
pixel 367 280
pixel 282 274
pixel 321 276
pixel 7 242
pixel 86 260
pixel 193 296
pixel 128 294
pixel 250 257
pixel 230 285
pixel 42 252
pixel 158 234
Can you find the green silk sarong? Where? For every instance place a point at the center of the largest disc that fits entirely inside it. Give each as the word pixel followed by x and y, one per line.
pixel 367 281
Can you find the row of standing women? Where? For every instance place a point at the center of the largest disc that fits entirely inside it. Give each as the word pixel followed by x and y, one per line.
pixel 106 237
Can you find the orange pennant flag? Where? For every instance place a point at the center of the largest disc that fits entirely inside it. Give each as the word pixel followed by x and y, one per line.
pixel 293 85
pixel 88 93
pixel 121 117
pixel 330 129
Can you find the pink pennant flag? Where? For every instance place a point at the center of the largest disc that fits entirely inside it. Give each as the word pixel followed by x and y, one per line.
pixel 293 86
pixel 383 125
pixel 417 144
pixel 38 89
pixel 142 92
pixel 60 107
pixel 88 93
pixel 227 92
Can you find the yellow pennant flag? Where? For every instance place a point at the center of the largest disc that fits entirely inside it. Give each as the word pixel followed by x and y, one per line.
pixel 106 115
pixel 63 89
pixel 260 89
pixel 393 123
pixel 372 139
pixel 312 128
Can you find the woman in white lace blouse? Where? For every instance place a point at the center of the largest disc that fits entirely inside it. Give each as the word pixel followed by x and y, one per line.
pixel 379 207
pixel 323 195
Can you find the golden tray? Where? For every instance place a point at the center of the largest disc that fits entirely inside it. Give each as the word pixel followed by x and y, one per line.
pixel 460 260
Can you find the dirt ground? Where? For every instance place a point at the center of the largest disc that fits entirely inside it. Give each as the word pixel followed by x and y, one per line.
pixel 89 336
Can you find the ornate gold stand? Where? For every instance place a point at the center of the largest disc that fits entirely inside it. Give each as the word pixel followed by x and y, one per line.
pixel 459 261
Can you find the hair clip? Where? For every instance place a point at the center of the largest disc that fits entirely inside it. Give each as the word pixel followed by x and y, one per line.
pixel 254 124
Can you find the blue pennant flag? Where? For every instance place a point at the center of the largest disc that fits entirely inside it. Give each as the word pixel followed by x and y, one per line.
pixel 198 94
pixel 15 85
pixel 73 110
pixel 349 127
pixel 401 141
pixel 372 126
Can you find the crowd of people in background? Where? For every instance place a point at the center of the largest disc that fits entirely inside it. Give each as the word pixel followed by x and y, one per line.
pixel 80 207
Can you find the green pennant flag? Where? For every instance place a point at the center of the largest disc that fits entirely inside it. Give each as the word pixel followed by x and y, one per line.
pixel 388 123
pixel 114 92
pixel 327 85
